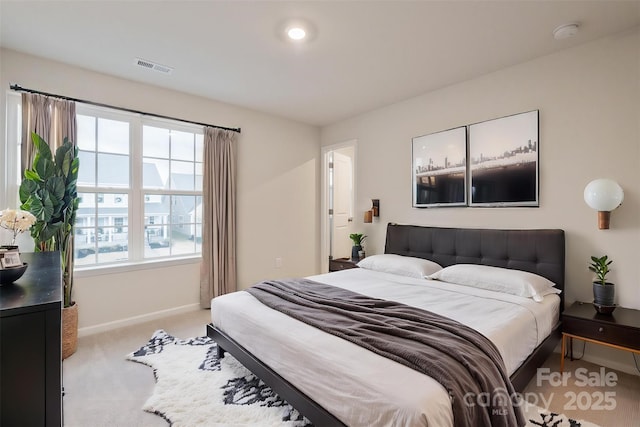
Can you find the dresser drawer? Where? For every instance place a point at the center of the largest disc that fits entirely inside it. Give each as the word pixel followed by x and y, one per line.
pixel 602 331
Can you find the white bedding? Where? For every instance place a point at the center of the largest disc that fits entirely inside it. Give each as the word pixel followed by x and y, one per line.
pixel 362 388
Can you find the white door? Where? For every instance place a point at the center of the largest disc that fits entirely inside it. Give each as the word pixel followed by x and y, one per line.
pixel 342 204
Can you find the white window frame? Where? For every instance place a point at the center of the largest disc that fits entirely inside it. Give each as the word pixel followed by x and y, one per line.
pixel 135 192
pixel 13 141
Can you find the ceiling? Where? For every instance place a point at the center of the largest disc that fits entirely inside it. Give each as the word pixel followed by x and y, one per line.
pixel 364 55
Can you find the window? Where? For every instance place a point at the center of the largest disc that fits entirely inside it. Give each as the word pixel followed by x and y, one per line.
pixel 140 188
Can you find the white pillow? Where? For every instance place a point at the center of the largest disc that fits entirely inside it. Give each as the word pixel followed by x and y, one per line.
pixel 400 265
pixel 515 282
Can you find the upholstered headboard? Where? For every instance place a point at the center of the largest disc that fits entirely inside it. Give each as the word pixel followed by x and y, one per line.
pixel 537 251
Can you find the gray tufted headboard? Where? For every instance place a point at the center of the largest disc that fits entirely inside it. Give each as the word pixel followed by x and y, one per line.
pixel 537 251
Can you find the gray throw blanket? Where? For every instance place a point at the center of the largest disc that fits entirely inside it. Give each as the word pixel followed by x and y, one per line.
pixel 464 361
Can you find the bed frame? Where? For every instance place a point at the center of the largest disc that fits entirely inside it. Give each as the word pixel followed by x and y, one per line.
pixel 537 251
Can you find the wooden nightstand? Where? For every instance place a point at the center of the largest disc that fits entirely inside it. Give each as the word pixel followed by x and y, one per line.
pixel 621 330
pixel 342 264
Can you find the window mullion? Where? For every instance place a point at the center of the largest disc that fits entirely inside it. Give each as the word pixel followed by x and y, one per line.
pixel 136 210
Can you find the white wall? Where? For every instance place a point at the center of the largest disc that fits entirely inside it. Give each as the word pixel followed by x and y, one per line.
pixel 277 190
pixel 589 102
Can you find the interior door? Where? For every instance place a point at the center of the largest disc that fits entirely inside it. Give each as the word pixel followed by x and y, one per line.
pixel 342 205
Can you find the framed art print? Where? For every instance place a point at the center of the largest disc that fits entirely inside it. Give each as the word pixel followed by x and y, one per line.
pixel 503 161
pixel 439 168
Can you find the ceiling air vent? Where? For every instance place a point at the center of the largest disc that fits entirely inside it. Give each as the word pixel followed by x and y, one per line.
pixel 153 66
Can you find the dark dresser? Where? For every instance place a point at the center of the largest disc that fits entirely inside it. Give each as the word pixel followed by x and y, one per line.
pixel 30 349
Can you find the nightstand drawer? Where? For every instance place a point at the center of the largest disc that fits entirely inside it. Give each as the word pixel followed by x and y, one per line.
pixel 602 331
pixel 341 264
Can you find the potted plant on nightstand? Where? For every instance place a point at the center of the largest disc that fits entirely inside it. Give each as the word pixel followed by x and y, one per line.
pixel 357 239
pixel 603 291
pixel 49 192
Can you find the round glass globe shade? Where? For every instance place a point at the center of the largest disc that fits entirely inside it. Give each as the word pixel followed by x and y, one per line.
pixel 603 195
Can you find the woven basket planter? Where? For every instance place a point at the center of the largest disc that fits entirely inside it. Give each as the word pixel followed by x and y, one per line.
pixel 69 330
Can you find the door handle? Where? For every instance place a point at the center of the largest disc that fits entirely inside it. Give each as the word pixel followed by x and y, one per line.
pixel 350 219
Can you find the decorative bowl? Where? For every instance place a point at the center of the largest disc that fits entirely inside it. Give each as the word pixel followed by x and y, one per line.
pixel 11 274
pixel 604 309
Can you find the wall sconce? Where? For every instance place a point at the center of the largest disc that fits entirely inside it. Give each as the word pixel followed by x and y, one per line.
pixel 373 212
pixel 603 195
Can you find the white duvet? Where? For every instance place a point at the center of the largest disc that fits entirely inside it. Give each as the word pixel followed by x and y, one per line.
pixel 362 388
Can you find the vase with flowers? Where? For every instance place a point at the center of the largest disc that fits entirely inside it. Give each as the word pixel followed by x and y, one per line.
pixel 16 221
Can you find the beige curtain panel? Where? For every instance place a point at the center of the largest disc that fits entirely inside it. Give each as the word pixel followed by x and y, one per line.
pixel 51 118
pixel 218 269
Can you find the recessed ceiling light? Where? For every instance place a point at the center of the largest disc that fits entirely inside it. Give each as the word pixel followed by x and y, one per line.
pixel 296 30
pixel 565 31
pixel 296 33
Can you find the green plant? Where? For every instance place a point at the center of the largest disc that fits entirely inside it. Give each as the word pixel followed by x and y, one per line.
pixel 49 192
pixel 600 266
pixel 357 238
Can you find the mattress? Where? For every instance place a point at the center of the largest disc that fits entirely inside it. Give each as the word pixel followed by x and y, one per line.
pixel 360 387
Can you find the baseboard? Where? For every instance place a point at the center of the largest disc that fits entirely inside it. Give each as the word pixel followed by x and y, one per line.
pixel 614 364
pixel 627 368
pixel 103 327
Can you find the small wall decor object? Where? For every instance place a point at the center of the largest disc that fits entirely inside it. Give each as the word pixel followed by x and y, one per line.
pixel 603 195
pixel 375 207
pixel 503 161
pixel 373 212
pixel 439 168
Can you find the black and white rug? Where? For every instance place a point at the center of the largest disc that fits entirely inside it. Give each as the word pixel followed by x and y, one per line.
pixel 196 389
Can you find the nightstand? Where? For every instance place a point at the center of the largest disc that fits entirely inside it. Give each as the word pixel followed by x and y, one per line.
pixel 620 330
pixel 342 264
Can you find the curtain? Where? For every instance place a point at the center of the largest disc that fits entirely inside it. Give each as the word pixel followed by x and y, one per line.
pixel 51 118
pixel 218 268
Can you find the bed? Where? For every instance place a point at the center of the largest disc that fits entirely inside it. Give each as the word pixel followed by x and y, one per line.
pixel 335 382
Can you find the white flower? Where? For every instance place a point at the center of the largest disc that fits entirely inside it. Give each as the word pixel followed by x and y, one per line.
pixel 7 216
pixel 16 221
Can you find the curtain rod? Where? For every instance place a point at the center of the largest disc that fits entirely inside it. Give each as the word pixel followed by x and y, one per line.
pixel 19 88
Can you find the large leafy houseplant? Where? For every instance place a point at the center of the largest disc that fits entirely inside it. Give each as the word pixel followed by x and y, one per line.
pixel 49 192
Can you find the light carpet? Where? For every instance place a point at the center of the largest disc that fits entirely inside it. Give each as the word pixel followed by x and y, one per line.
pixel 196 389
